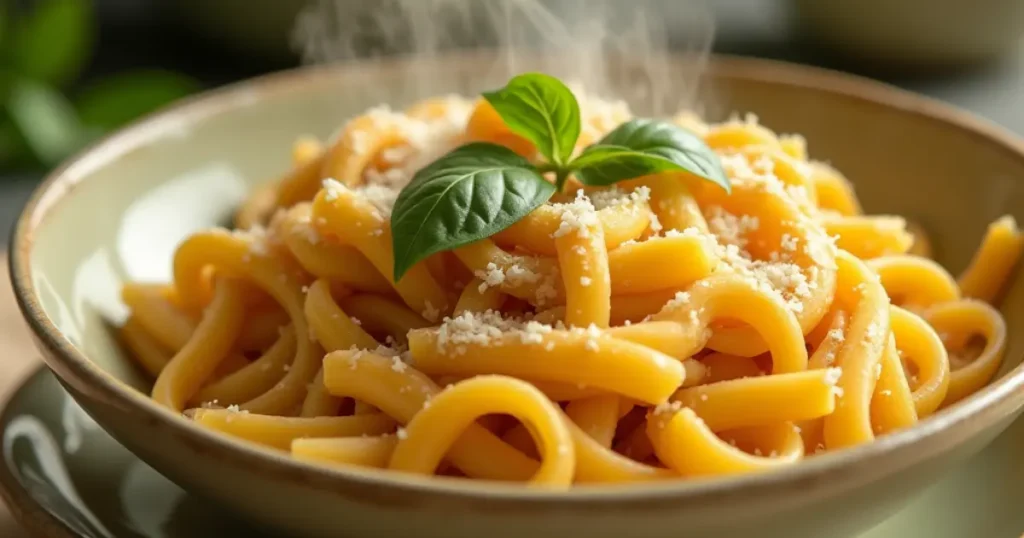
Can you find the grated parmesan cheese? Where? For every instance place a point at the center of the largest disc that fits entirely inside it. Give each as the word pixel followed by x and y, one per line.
pixel 874 331
pixel 399 354
pixel 667 407
pixel 430 312
pixel 546 291
pixel 396 154
pixel 788 242
pixel 776 275
pixel 492 277
pixel 614 196
pixel 732 229
pixel 481 328
pixel 381 197
pixel 516 275
pixel 577 216
pixel 691 231
pixel 832 375
pixel 681 298
pixel 332 189
pixel 655 223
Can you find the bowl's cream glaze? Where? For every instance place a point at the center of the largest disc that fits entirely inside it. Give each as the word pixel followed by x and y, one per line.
pixel 117 211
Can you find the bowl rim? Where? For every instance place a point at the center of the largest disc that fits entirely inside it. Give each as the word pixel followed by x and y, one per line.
pixel 844 469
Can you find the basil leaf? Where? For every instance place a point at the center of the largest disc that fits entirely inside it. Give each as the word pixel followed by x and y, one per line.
pixel 664 145
pixel 605 165
pixel 471 193
pixel 541 109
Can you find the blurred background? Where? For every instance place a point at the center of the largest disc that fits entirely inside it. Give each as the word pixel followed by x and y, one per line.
pixel 72 70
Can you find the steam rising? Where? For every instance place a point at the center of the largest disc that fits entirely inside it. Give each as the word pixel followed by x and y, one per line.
pixel 612 48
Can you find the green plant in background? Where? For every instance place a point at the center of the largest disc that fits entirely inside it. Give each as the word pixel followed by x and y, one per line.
pixel 43 50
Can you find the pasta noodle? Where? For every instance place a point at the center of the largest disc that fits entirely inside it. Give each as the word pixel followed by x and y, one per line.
pixel 657 329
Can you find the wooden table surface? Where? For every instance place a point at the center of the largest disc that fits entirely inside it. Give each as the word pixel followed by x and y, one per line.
pixel 19 359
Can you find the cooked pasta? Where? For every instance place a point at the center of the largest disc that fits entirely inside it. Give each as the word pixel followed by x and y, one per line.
pixel 657 329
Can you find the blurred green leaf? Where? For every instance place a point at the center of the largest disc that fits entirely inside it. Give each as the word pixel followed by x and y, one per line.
pixel 45 119
pixel 3 24
pixel 6 78
pixel 119 99
pixel 52 42
pixel 13 149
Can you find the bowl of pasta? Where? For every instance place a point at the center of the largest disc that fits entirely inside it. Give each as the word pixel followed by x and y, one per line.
pixel 338 302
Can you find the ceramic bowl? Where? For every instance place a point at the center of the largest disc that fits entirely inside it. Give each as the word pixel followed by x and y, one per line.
pixel 117 211
pixel 62 476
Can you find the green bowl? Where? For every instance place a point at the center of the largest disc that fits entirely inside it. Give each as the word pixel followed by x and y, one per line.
pixel 117 211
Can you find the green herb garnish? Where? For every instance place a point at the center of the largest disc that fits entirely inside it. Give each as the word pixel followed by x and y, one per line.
pixel 473 192
pixel 480 189
pixel 542 110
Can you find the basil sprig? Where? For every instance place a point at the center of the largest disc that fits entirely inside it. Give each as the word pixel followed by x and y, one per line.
pixel 471 193
pixel 542 110
pixel 479 189
pixel 642 147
